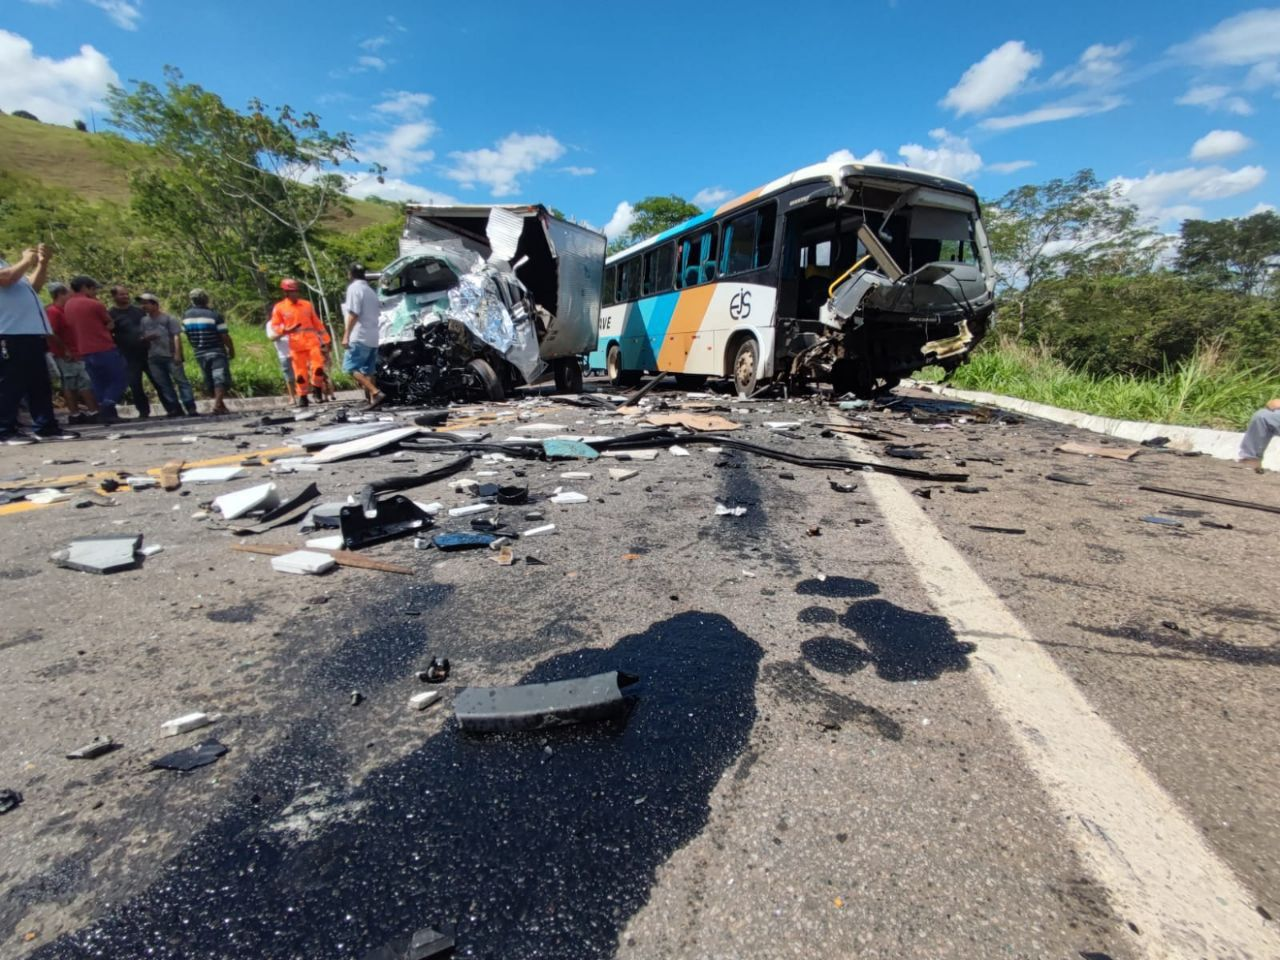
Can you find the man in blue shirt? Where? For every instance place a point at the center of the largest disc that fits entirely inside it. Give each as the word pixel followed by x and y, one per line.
pixel 24 332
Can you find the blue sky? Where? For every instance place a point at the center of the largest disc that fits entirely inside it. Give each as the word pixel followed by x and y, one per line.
pixel 592 106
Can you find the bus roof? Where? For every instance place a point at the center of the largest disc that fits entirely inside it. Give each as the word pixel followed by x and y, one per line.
pixel 830 171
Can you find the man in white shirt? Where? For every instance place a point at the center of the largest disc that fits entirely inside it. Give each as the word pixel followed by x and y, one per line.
pixel 360 335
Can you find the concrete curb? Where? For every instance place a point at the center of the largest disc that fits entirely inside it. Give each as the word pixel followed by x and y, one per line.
pixel 245 404
pixel 1222 444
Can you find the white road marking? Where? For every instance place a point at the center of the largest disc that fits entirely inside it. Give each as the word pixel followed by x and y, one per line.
pixel 1160 873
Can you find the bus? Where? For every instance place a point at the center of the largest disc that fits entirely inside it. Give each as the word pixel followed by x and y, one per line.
pixel 853 274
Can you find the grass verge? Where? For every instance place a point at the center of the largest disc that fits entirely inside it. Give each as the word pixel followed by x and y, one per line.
pixel 1207 389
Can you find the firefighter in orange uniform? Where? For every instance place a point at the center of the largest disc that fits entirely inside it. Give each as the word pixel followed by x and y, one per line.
pixel 296 319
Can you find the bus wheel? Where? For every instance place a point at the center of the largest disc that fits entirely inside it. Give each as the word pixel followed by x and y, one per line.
pixel 488 381
pixel 691 381
pixel 613 366
pixel 745 363
pixel 568 373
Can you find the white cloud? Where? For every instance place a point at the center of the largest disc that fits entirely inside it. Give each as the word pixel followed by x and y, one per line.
pixel 400 148
pixel 1266 74
pixel 1215 97
pixel 43 3
pixel 951 157
pixel 847 156
pixel 392 188
pixel 396 24
pixel 371 63
pixel 374 44
pixel 997 75
pixel 123 14
pixel 711 197
pixel 1010 166
pixel 1261 208
pixel 624 215
pixel 1163 196
pixel 1244 39
pixel 403 103
pixel 1217 144
pixel 500 168
pixel 1098 65
pixel 579 171
pixel 1051 112
pixel 56 91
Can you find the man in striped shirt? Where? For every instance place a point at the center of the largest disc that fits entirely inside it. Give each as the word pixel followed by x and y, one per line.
pixel 206 331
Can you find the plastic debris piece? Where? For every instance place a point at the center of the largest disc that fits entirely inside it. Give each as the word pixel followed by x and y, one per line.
pixel 556 449
pixel 1063 478
pixel 331 542
pixel 212 474
pixel 622 473
pixel 512 495
pixel 1215 525
pixel 303 562
pixel 185 723
pixel 1162 521
pixel 854 404
pixel 576 475
pixel 152 550
pixel 903 453
pixel 983 528
pixel 783 424
pixel 420 701
pixel 97 747
pixel 632 454
pixel 450 542
pixel 141 483
pixel 501 542
pixel 263 496
pixel 463 485
pixel 1095 450
pixel 202 754
pixel 678 451
pixel 109 553
pixel 357 448
pixel 504 557
pixel 392 517
pixel 967 488
pixel 570 496
pixel 49 496
pixel 534 515
pixel 723 511
pixel 9 800
pixel 540 531
pixel 538 705
pixel 470 509
pixel 837 485
pixel 430 509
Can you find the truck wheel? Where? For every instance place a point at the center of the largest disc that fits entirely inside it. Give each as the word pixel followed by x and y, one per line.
pixel 568 373
pixel 490 385
pixel 745 363
pixel 613 366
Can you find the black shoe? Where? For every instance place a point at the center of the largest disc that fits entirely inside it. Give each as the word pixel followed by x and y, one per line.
pixel 17 438
pixel 56 433
pixel 193 412
pixel 377 400
pixel 302 402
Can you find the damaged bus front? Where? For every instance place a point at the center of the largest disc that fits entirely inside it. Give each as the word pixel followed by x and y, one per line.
pixel 484 299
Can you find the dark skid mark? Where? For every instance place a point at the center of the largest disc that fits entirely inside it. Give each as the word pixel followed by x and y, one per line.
pixel 845 588
pixel 792 680
pixel 533 855
pixel 30 636
pixel 1211 648
pixel 243 613
pixel 833 655
pixel 904 644
pixel 817 615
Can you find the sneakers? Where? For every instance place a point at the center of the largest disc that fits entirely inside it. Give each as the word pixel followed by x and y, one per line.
pixel 17 438
pixel 302 402
pixel 56 433
pixel 78 419
pixel 377 400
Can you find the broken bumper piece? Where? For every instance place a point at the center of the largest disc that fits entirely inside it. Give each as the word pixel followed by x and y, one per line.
pixel 536 706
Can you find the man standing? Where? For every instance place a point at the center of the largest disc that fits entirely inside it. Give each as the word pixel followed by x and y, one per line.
pixel 1263 425
pixel 163 336
pixel 127 332
pixel 90 327
pixel 211 343
pixel 23 332
pixel 76 389
pixel 360 335
pixel 308 341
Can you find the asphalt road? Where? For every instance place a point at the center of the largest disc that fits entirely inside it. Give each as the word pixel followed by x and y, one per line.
pixel 863 727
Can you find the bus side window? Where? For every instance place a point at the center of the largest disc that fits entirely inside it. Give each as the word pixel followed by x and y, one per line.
pixel 664 261
pixel 629 279
pixel 740 243
pixel 610 286
pixel 764 235
pixel 646 280
pixel 709 257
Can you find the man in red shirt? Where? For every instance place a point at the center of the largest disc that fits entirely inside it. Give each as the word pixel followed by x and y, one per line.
pixel 76 389
pixel 90 329
pixel 308 341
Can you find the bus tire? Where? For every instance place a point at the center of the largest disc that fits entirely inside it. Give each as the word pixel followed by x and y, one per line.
pixel 746 361
pixel 613 367
pixel 691 381
pixel 490 384
pixel 568 374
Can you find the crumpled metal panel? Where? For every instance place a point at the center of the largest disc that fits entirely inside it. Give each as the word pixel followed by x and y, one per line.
pixel 503 230
pixel 477 303
pixel 580 256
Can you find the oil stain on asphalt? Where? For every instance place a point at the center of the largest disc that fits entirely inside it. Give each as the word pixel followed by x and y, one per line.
pixel 538 845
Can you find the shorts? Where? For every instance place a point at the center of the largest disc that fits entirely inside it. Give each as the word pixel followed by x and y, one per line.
pixel 360 359
pixel 73 374
pixel 216 370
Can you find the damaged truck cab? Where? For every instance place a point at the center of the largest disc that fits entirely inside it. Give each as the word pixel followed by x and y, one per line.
pixel 852 274
pixel 483 298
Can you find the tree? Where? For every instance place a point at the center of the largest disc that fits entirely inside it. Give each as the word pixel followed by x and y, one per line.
pixel 26 115
pixel 1074 226
pixel 1241 254
pixel 82 126
pixel 652 216
pixel 245 193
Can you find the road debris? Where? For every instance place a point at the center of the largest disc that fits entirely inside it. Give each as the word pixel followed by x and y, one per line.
pixel 109 553
pixel 505 557
pixel 261 498
pixel 983 528
pixel 570 496
pixel 436 672
pixel 420 701
pixel 97 747
pixel 426 944
pixel 185 723
pixel 535 706
pixel 622 473
pixel 838 486
pixel 344 558
pixel 1096 450
pixel 539 531
pixel 724 511
pixel 313 562
pixel 9 800
pixel 1162 521
pixel 202 754
pixel 1063 478
pixel 392 517
pixel 450 542
pixel 1210 498
pixel 211 474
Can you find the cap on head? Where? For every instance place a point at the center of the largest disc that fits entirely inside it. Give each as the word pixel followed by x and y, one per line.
pixel 199 296
pixel 149 298
pixel 289 285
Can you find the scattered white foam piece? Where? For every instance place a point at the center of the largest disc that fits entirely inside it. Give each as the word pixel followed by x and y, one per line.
pixel 190 721
pixel 678 451
pixel 539 531
pixel 570 496
pixel 420 701
pixel 575 475
pixel 782 424
pixel 48 495
pixel 486 473
pixel 470 508
pixel 263 496
pixel 212 474
pixel 152 550
pixel 630 454
pixel 539 427
pixel 723 511
pixel 141 483
pixel 714 449
pixel 464 485
pixel 621 473
pixel 497 458
pixel 333 542
pixel 431 509
pixel 303 561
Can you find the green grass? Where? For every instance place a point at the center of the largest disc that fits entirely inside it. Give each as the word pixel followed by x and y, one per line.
pixel 255 372
pixel 96 166
pixel 1207 389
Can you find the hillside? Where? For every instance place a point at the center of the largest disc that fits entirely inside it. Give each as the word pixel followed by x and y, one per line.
pixel 95 166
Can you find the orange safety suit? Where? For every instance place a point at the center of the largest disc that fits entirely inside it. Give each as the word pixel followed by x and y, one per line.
pixel 307 342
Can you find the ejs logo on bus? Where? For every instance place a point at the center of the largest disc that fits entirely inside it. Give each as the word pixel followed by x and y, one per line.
pixel 740 305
